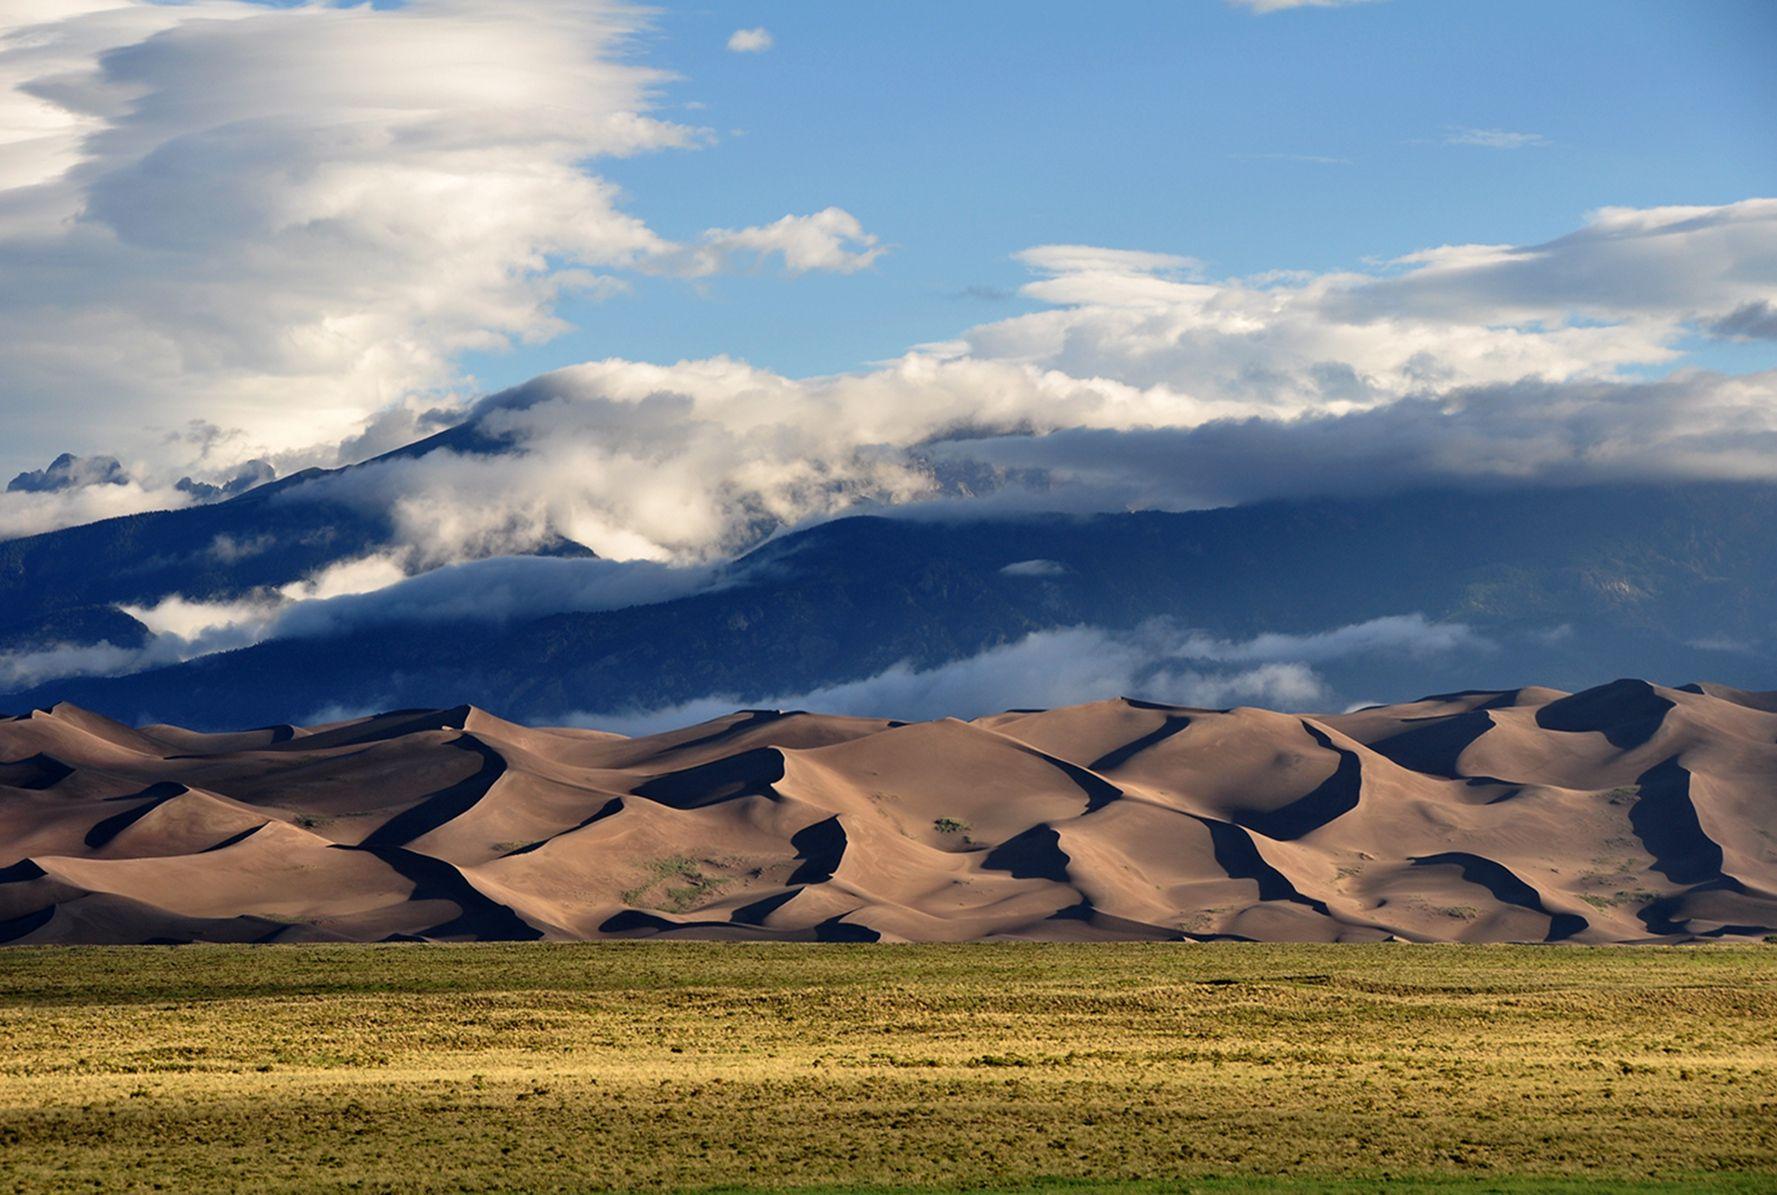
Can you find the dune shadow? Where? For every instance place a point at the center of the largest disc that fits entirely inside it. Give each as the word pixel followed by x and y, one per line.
pixel 1334 797
pixel 1117 927
pixel 1238 855
pixel 1434 747
pixel 481 916
pixel 1665 819
pixel 152 798
pixel 1626 712
pixel 380 729
pixel 435 809
pixel 34 772
pixel 1035 854
pixel 753 719
pixel 749 774
pixel 1507 888
pixel 1122 755
pixel 759 910
pixel 14 928
pixel 820 848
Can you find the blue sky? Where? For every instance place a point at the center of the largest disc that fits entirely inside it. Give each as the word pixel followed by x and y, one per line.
pixel 1058 249
pixel 961 133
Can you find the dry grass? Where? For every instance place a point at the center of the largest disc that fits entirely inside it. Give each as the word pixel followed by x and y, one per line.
pixel 682 1065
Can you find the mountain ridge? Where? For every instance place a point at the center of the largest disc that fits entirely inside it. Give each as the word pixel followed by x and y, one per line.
pixel 1576 584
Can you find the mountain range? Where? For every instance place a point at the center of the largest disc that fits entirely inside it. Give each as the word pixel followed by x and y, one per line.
pixel 1572 584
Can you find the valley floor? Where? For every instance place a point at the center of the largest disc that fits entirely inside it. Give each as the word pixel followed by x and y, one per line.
pixel 847 1067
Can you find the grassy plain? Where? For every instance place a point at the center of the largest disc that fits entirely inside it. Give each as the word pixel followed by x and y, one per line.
pixel 1129 1068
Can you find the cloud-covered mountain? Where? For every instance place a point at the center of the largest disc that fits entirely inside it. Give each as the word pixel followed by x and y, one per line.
pixel 245 241
pixel 116 583
pixel 275 220
pixel 1296 602
pixel 1140 381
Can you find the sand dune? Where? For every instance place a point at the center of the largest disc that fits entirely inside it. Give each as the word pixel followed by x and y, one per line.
pixel 1628 812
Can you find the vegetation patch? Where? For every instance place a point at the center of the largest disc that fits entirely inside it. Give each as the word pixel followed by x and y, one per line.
pixel 1013 1067
pixel 678 884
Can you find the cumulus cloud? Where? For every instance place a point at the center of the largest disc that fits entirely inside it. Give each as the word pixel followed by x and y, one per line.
pixel 181 628
pixel 1495 138
pixel 1692 425
pixel 359 595
pixel 1621 291
pixel 830 239
pixel 1156 661
pixel 1143 382
pixel 33 512
pixel 1755 320
pixel 280 220
pixel 285 218
pixel 750 41
pixel 495 590
pixel 678 463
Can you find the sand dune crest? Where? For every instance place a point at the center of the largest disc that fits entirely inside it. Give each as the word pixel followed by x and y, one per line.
pixel 1623 813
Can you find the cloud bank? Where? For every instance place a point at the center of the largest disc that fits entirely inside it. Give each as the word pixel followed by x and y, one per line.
pixel 279 220
pixel 1142 381
pixel 357 596
pixel 1156 662
pixel 291 222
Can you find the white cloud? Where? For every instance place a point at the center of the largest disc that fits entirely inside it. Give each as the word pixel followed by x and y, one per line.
pixel 179 630
pixel 830 239
pixel 1495 138
pixel 24 514
pixel 345 578
pixel 1692 425
pixel 282 219
pixel 182 628
pixel 750 41
pixel 1077 664
pixel 22 669
pixel 356 595
pixel 196 621
pixel 279 220
pixel 495 590
pixel 1092 259
pixel 1145 383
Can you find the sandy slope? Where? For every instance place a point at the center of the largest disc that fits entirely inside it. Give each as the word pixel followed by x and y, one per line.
pixel 1627 812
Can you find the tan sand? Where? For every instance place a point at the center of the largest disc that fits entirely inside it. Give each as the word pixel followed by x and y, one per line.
pixel 1629 812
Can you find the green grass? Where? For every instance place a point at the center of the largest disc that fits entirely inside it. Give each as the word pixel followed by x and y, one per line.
pixel 658 889
pixel 1018 1067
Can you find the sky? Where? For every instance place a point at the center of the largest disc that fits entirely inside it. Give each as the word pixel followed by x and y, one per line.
pixel 739 266
pixel 1314 138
